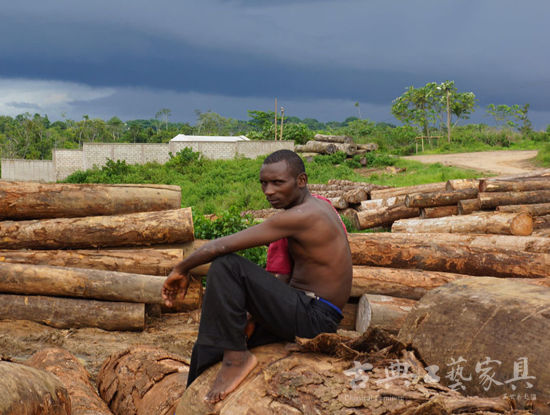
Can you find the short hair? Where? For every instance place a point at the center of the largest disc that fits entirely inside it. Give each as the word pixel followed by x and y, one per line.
pixel 293 160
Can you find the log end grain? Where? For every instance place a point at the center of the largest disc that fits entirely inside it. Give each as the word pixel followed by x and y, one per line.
pixel 522 225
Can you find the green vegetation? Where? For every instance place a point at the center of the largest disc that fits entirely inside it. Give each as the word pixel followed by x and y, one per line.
pixel 543 157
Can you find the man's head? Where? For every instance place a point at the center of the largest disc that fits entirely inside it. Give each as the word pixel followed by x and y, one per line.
pixel 283 179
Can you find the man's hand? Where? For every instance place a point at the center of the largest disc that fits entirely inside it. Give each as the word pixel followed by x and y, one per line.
pixel 175 287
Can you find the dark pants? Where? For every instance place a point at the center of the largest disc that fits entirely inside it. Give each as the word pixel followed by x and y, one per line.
pixel 234 286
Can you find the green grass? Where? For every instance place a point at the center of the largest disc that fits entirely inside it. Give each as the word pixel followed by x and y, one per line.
pixel 543 156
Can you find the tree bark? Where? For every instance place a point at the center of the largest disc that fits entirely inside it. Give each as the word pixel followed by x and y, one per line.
pixel 384 216
pixel 338 202
pixel 148 261
pixel 461 184
pixel 537 209
pixel 356 195
pixel 468 206
pixel 438 212
pixel 535 174
pixel 293 383
pixel 26 390
pixel 398 191
pixel 66 313
pixel 320 147
pixel 433 256
pixel 439 198
pixel 349 149
pixel 542 222
pixel 477 318
pixel 490 200
pixel 145 228
pixel 74 377
pixel 448 240
pixel 487 222
pixel 378 203
pixel 385 312
pixel 513 186
pixel 95 284
pixel 30 200
pixel 343 139
pixel 143 380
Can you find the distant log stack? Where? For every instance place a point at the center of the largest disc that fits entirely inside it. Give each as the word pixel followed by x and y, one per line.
pixel 330 144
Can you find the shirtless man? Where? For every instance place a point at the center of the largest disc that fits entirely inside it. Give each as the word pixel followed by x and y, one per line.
pixel 305 304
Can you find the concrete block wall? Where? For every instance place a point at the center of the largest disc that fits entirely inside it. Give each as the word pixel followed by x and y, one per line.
pixel 66 162
pixel 28 170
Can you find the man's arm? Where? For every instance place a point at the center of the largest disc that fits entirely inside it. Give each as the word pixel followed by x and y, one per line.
pixel 279 226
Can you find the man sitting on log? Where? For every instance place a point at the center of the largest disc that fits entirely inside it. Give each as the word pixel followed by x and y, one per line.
pixel 305 303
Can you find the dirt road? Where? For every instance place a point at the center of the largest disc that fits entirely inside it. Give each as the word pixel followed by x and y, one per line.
pixel 499 162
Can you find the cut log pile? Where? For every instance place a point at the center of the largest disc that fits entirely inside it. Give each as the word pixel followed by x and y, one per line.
pixel 330 144
pixel 90 255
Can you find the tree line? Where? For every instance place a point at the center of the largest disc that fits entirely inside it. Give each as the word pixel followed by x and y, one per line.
pixel 432 110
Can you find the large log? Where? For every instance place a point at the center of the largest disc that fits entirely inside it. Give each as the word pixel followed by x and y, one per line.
pixel 26 390
pixel 320 147
pixel 438 211
pixel 493 242
pixel 439 198
pixel 293 383
pixel 461 184
pixel 468 206
pixel 349 149
pixel 343 139
pixel 382 311
pixel 490 200
pixel 145 228
pixel 143 380
pixel 486 222
pixel 371 249
pixel 384 216
pixel 338 202
pixel 408 283
pixel 522 176
pixel 30 200
pixel 95 284
pixel 537 209
pixel 398 191
pixel 356 195
pixel 84 398
pixel 513 185
pixel 66 313
pixel 378 203
pixel 149 261
pixel 493 329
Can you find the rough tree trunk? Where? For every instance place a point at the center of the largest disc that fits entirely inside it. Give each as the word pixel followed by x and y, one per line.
pixel 66 313
pixel 378 203
pixel 29 200
pixel 95 284
pixel 382 311
pixel 398 191
pixel 542 222
pixel 448 240
pixel 343 139
pixel 338 202
pixel 490 200
pixel 439 198
pixel 26 390
pixel 468 206
pixel 537 209
pixel 74 377
pixel 493 222
pixel 384 216
pixel 145 228
pixel 432 256
pixel 513 186
pixel 320 147
pixel 438 212
pixel 461 184
pixel 142 380
pixel 494 323
pixel 291 383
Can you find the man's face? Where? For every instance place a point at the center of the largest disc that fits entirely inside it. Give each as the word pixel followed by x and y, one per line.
pixel 280 187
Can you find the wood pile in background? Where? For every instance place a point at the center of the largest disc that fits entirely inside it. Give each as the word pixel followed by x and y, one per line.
pixel 330 144
pixel 43 278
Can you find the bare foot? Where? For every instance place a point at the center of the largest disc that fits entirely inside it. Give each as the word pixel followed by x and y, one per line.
pixel 236 365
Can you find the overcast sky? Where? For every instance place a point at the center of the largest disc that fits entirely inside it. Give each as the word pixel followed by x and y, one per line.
pixel 132 58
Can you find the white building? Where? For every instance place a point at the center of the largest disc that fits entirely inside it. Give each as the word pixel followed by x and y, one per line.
pixel 209 138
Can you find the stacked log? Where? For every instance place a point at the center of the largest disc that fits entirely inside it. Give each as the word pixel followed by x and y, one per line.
pixel 330 144
pixel 54 267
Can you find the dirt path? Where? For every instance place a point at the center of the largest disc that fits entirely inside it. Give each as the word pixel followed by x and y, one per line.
pixel 499 162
